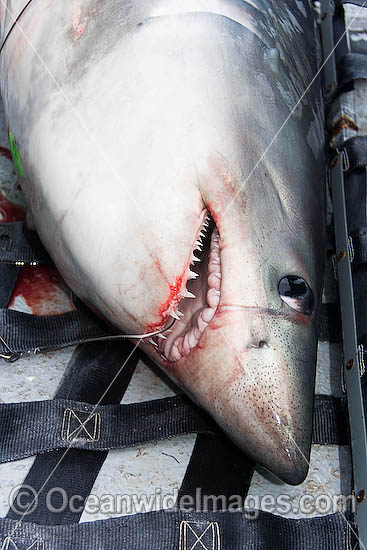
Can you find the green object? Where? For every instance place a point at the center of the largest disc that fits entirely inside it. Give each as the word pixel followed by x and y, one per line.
pixel 16 156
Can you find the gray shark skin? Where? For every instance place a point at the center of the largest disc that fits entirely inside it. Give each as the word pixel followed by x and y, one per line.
pixel 134 121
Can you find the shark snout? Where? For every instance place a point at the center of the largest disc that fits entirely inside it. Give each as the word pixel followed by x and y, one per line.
pixel 255 374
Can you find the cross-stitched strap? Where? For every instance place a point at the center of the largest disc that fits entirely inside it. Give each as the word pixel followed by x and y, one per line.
pixel 30 428
pixel 177 530
pixel 97 373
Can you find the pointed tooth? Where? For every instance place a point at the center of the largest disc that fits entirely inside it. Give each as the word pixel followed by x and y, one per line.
pixel 180 313
pixel 174 315
pixel 189 294
pixel 195 259
pixel 152 342
pixel 163 357
pixel 168 330
pixel 162 336
pixel 192 274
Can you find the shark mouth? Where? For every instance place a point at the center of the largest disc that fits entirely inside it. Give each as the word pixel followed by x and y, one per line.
pixel 201 296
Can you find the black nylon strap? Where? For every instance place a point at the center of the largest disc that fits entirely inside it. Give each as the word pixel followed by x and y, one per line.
pixel 355 153
pixel 41 426
pixel 352 66
pixel 330 421
pixel 94 373
pixel 36 427
pixel 19 245
pixel 8 277
pixel 185 531
pixel 359 246
pixel 216 468
pixel 23 332
pixel 329 323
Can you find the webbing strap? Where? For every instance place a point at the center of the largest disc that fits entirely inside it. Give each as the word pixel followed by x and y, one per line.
pixel 218 468
pixel 36 427
pixel 29 428
pixel 33 333
pixel 330 421
pixel 20 246
pixel 358 242
pixel 355 152
pixel 8 277
pixel 94 373
pixel 329 323
pixel 24 333
pixel 352 66
pixel 185 531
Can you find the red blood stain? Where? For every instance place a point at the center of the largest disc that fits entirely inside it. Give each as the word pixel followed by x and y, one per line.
pixel 174 289
pixel 5 153
pixel 43 290
pixel 10 212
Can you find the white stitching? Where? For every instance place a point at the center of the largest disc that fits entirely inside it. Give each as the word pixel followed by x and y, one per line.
pixel 346 163
pixel 213 526
pixel 362 364
pixel 67 432
pixel 351 250
pixel 36 545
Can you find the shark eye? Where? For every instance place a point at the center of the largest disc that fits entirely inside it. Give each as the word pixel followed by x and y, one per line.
pixel 295 292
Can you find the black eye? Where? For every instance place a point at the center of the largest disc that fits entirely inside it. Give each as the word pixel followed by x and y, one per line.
pixel 295 292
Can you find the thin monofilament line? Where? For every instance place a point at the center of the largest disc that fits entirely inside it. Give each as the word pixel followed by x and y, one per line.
pixel 293 109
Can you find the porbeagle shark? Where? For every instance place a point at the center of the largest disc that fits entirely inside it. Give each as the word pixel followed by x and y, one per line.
pixel 172 158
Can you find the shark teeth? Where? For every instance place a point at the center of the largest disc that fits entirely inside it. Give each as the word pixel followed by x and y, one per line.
pixel 176 343
pixel 189 294
pixel 174 315
pixel 192 274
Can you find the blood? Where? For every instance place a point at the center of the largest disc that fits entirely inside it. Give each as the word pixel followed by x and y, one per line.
pixel 9 211
pixel 4 152
pixel 174 289
pixel 43 290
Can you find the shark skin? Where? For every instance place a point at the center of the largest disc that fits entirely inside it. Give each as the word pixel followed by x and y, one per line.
pixel 172 159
